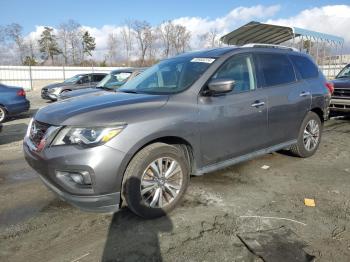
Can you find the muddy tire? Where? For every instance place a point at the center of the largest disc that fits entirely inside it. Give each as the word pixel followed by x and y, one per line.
pixel 156 180
pixel 309 136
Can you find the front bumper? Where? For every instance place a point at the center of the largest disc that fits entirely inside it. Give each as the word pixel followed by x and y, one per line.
pixel 103 164
pixel 340 105
pixel 45 94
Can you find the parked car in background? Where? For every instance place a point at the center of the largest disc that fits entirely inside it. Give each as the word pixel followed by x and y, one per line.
pixel 12 101
pixel 110 82
pixel 192 114
pixel 340 103
pixel 80 81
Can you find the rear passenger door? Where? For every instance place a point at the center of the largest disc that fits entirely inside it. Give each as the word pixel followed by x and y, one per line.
pixel 289 98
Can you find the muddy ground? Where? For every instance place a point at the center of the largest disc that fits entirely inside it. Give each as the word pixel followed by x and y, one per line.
pixel 37 226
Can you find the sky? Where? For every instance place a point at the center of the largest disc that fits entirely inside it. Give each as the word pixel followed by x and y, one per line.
pixel 105 16
pixel 33 13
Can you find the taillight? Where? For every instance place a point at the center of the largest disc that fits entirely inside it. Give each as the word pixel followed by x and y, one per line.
pixel 330 87
pixel 21 92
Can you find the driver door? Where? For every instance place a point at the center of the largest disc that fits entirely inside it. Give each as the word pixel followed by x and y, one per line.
pixel 233 124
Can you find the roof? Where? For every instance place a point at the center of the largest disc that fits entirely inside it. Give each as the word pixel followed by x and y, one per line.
pixel 210 53
pixel 256 32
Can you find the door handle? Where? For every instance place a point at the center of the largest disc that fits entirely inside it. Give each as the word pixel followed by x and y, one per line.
pixel 258 104
pixel 302 94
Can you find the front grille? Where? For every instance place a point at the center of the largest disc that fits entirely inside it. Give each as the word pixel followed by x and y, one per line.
pixel 37 132
pixel 341 92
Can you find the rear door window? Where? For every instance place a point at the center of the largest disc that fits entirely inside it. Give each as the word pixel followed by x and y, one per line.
pixel 306 68
pixel 276 69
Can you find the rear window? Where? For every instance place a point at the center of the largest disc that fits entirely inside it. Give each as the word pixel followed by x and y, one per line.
pixel 276 69
pixel 305 66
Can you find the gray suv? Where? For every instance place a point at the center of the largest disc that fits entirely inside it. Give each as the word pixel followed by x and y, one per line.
pixel 188 115
pixel 80 81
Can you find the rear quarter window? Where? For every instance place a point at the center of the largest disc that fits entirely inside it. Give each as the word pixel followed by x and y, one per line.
pixel 306 68
pixel 276 69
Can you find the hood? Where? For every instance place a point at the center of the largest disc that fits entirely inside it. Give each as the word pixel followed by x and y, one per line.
pixel 80 92
pixel 100 108
pixel 57 85
pixel 341 83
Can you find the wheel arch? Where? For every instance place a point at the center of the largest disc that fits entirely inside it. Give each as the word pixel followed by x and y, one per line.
pixel 171 140
pixel 318 111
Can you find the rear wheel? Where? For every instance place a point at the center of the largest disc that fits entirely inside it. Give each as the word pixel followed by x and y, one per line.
pixel 309 136
pixel 155 180
pixel 3 114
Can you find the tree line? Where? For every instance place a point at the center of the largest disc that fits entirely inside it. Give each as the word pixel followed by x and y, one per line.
pixel 135 43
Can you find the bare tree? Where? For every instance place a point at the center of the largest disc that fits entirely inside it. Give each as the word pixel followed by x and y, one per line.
pixel 166 31
pixel 180 39
pixel 210 39
pixel 14 33
pixel 70 38
pixel 127 39
pixel 143 32
pixel 63 37
pixel 112 43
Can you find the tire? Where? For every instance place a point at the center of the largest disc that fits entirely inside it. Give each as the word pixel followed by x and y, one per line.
pixel 140 175
pixel 301 148
pixel 3 114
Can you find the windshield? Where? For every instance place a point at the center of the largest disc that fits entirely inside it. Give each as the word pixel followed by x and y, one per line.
pixel 114 80
pixel 345 73
pixel 169 76
pixel 73 79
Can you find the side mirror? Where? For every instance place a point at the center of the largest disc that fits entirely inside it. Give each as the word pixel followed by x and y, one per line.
pixel 221 86
pixel 80 81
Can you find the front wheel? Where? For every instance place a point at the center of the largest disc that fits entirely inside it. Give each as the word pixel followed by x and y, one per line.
pixel 155 180
pixel 309 136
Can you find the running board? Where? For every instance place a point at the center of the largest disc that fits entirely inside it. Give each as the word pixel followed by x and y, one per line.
pixel 233 161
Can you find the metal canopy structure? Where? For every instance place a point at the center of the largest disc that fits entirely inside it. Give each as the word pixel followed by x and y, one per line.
pixel 255 32
pixel 323 47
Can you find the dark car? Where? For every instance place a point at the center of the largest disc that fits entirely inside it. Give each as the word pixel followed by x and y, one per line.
pixel 80 81
pixel 188 115
pixel 110 82
pixel 340 102
pixel 12 101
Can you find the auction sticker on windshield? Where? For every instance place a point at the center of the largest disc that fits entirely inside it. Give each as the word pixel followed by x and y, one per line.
pixel 203 60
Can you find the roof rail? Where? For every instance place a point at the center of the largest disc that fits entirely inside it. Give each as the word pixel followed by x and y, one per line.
pixel 271 46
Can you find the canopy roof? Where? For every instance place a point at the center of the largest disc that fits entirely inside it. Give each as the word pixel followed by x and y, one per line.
pixel 255 32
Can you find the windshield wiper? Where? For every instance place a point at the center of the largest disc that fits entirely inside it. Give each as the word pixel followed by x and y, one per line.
pixel 128 91
pixel 103 87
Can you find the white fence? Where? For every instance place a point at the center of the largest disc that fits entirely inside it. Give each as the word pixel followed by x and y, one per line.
pixel 35 77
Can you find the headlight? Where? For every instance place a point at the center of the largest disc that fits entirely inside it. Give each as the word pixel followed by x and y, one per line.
pixel 54 90
pixel 88 136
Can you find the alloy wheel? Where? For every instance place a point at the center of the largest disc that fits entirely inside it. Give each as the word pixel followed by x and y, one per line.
pixel 161 182
pixel 311 135
pixel 2 114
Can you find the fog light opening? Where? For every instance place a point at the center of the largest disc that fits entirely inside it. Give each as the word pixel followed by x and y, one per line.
pixel 78 177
